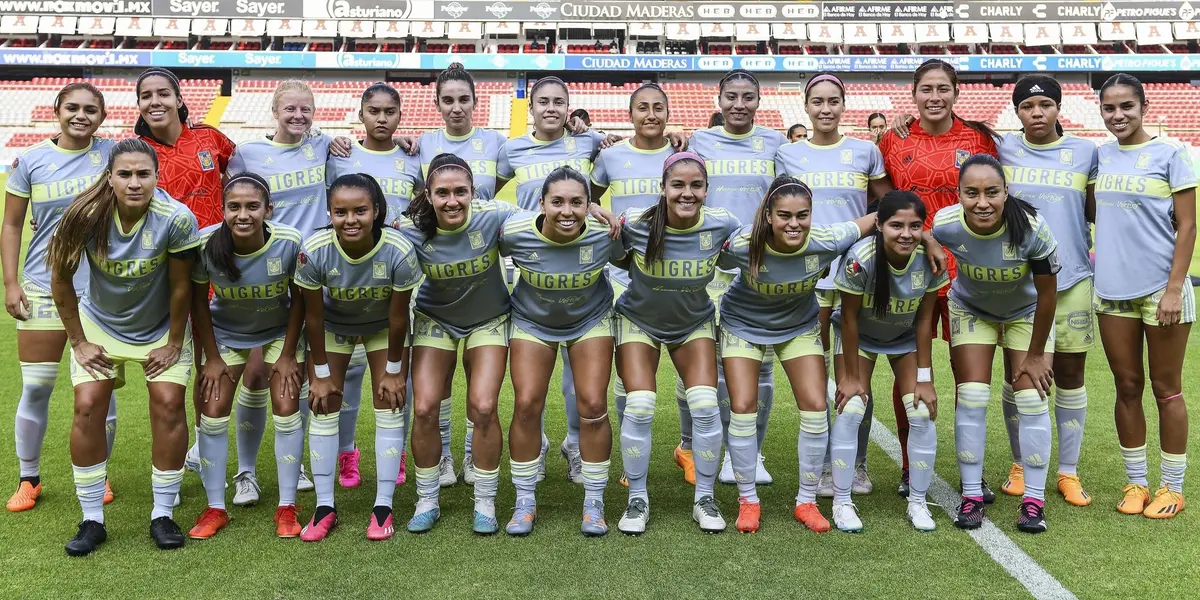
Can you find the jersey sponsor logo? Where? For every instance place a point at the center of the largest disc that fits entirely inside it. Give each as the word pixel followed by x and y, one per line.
pixel 585 254
pixel 379 269
pixel 1143 161
pixel 960 157
pixel 182 223
pixel 759 144
pixel 148 239
pixel 308 151
pixel 706 240
pixel 993 274
pixel 569 143
pixel 252 292
pixel 1066 156
pixel 302 258
pixel 918 280
pixel 847 157
pixel 466 268
pixel 365 292
pixel 562 281
pixel 812 263
pixel 854 268
pixel 96 158
pixel 476 239
pixel 275 266
pixel 477 146
pixel 206 160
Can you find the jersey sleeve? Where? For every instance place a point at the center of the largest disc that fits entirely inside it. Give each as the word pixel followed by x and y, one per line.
pixel 310 275
pixel 616 250
pixel 600 172
pixel 505 210
pixel 504 170
pixel 200 269
pixel 1180 173
pixel 331 170
pixel 1094 171
pixel 406 273
pixel 184 234
pixel 852 277
pixel 875 169
pixel 597 138
pixel 936 281
pixel 727 260
pixel 780 166
pixel 18 179
pixel 1043 244
pixel 225 150
pixel 844 235
pixel 237 162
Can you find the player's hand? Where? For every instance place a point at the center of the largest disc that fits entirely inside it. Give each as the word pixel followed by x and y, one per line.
pixel 290 376
pixel 901 123
pixel 1170 308
pixel 678 140
pixel 210 378
pixel 33 225
pixel 341 146
pixel 606 217
pixel 320 394
pixel 577 126
pixel 1039 370
pixel 93 359
pixel 391 389
pixel 934 253
pixel 408 144
pixel 16 303
pixel 161 359
pixel 927 395
pixel 848 388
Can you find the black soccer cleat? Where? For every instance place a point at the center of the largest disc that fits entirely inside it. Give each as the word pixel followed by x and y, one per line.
pixel 1031 518
pixel 166 534
pixel 970 514
pixel 88 539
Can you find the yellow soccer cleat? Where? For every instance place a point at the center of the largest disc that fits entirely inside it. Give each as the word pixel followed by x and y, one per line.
pixel 1166 505
pixel 1072 490
pixel 1134 502
pixel 1015 486
pixel 684 459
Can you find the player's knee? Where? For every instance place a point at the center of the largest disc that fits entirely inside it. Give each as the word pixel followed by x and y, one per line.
pixel 591 405
pixel 527 409
pixel 426 410
pixel 1166 392
pixel 169 411
pixel 1129 386
pixel 482 411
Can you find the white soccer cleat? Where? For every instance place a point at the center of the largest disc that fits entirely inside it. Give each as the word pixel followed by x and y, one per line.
pixel 468 469
pixel 245 489
pixel 446 475
pixel 707 514
pixel 862 481
pixel 726 474
pixel 920 517
pixel 636 517
pixel 305 483
pixel 761 476
pixel 574 462
pixel 845 517
pixel 541 473
pixel 825 487
pixel 191 462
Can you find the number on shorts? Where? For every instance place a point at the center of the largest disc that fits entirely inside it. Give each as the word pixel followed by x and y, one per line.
pixel 1116 306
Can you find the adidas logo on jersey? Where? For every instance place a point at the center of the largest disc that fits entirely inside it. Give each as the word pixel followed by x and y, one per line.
pixel 334 272
pixel 628 165
pixel 962 248
pixel 429 247
pixel 534 256
pixel 270 160
pixel 52 167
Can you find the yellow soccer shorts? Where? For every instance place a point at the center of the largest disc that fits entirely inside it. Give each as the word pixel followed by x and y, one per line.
pixel 1146 307
pixel 121 352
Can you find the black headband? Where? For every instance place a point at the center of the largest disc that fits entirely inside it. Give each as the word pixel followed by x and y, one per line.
pixel 1036 85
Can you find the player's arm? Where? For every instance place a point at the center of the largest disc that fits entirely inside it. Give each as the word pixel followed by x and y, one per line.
pixel 391 385
pixel 179 277
pixel 1170 308
pixel 926 313
pixel 15 209
pixel 848 383
pixel 214 366
pixel 286 367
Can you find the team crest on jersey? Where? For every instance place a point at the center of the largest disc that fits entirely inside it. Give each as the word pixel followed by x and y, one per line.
pixel 1066 156
pixel 570 144
pixel 585 254
pixel 400 165
pixel 206 160
pixel 759 144
pixel 379 269
pixel 706 240
pixel 275 266
pixel 960 157
pixel 308 151
pixel 1010 251
pixel 147 239
pixel 847 157
pixel 96 158
pixel 476 239
pixel 812 264
pixel 477 146
pixel 918 280
pixel 1143 161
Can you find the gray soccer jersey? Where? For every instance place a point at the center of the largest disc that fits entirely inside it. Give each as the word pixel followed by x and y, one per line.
pixel 397 173
pixel 563 290
pixel 838 175
pixel 668 298
pixel 1135 240
pixel 357 292
pixel 464 283
pixel 129 292
pixel 994 280
pixel 296 174
pixel 634 180
pixel 51 178
pixel 1054 179
pixel 529 161
pixel 894 333
pixel 740 167
pixel 778 303
pixel 480 148
pixel 252 311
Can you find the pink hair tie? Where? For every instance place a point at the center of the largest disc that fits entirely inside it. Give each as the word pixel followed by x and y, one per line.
pixel 1179 395
pixel 678 156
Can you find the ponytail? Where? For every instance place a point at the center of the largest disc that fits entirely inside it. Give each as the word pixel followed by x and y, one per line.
pixel 420 211
pixel 219 248
pixel 1017 212
pixel 891 203
pixel 760 234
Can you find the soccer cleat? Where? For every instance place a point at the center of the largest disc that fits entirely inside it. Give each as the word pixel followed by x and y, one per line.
pixel 316 531
pixel 402 474
pixel 245 489
pixel 347 465
pixel 684 459
pixel 483 524
pixel 191 462
pixel 862 481
pixel 989 497
pixel 707 514
pixel 468 469
pixel 1031 517
pixel 636 517
pixel 524 516
pixel 26 497
pixel 970 514
pixel 166 534
pixel 808 514
pixel 1015 485
pixel 845 517
pixel 304 484
pixel 108 493
pixel 594 524
pixel 574 462
pixel 1166 504
pixel 377 531
pixel 425 517
pixel 825 486
pixel 920 517
pixel 177 501
pixel 726 474
pixel 902 489
pixel 749 514
pixel 761 476
pixel 541 473
pixel 209 523
pixel 624 479
pixel 1135 500
pixel 446 475
pixel 1072 490
pixel 287 522
pixel 88 539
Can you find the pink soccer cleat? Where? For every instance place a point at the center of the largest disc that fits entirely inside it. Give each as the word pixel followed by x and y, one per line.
pixel 348 474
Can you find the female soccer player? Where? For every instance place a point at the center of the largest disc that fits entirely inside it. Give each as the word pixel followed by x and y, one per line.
pixel 564 298
pixel 1056 174
pixel 480 147
pixel 674 247
pixel 877 124
pixel 357 278
pixel 1006 297
pixel 398 174
pixel 844 174
pixel 924 157
pixel 48 176
pixel 249 264
pixel 771 304
pixel 139 245
pixel 889 291
pixel 1145 185
pixel 739 157
pixel 797 133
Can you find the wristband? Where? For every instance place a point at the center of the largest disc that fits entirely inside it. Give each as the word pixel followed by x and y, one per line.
pixel 924 374
pixel 321 371
pixel 393 368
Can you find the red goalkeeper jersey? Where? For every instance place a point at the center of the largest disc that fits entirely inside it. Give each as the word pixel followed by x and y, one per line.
pixel 190 170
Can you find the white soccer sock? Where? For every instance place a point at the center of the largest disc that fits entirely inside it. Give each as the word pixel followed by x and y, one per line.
pixel 289 447
pixel 810 447
pixel 214 458
pixel 743 453
pixel 33 414
pixel 922 449
pixel 1070 415
pixel 165 485
pixel 89 487
pixel 389 444
pixel 250 412
pixel 970 435
pixel 351 400
pixel 1035 441
pixel 322 454
pixel 636 433
pixel 844 444
pixel 706 437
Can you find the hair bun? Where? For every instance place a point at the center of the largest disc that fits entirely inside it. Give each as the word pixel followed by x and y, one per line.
pixel 456 66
